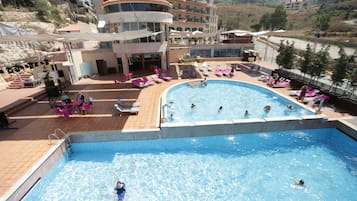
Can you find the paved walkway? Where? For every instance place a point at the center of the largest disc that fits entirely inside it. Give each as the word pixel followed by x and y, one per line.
pixel 21 148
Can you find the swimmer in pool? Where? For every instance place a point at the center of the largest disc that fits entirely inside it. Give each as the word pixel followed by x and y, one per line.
pixel 120 190
pixel 246 114
pixel 267 108
pixel 290 107
pixel 300 182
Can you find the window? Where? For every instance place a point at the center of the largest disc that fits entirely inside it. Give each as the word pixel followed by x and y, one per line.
pixel 129 7
pixel 153 27
pixel 226 52
pixel 200 52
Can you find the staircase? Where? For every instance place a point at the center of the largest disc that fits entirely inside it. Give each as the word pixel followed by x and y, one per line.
pixel 18 83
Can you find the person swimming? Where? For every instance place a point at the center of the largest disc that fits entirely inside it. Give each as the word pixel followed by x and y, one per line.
pixel 220 108
pixel 193 106
pixel 204 82
pixel 300 182
pixel 120 190
pixel 246 114
pixel 290 107
pixel 267 108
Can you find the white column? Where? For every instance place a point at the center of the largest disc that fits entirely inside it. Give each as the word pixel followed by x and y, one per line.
pixel 125 63
pixel 163 61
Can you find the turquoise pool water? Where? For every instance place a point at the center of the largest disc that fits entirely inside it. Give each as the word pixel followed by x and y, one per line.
pixel 260 166
pixel 234 97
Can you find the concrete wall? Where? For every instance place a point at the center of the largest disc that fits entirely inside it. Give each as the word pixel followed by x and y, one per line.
pixel 104 54
pixel 176 53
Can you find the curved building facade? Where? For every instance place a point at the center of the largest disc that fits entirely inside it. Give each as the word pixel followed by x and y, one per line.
pixel 117 16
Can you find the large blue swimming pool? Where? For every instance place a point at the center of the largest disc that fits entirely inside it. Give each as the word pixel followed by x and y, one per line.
pixel 234 97
pixel 260 166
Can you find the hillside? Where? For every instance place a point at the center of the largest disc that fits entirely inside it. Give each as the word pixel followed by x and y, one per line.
pixel 26 19
pixel 300 22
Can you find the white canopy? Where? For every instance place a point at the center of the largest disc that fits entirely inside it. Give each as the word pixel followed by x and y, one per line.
pixel 69 37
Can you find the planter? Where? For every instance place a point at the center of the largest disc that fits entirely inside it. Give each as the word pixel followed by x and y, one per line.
pixel 49 83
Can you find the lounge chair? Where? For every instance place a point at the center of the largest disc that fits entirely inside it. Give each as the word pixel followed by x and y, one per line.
pixel 227 71
pixel 131 110
pixel 128 104
pixel 146 81
pixel 166 78
pixel 218 72
pixel 195 64
pixel 311 92
pixel 138 83
pixel 203 66
pixel 263 78
pixel 281 84
pixel 205 72
pixel 156 79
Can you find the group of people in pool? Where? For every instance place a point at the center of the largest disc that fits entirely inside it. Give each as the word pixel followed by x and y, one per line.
pixel 193 106
pixel 120 188
pixel 267 109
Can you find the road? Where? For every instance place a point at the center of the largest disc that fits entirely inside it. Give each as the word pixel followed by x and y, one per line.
pixel 301 45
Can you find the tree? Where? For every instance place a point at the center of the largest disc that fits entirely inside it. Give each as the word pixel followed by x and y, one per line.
pixel 286 55
pixel 340 68
pixel 265 21
pixel 256 27
pixel 320 62
pixel 278 18
pixel 323 22
pixel 306 61
pixel 352 73
pixel 232 23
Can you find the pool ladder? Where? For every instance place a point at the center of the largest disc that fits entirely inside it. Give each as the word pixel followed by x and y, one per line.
pixel 57 134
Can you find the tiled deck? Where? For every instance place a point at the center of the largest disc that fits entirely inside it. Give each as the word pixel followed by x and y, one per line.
pixel 21 148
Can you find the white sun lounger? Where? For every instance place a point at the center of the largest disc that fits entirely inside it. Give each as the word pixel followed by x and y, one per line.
pixel 132 110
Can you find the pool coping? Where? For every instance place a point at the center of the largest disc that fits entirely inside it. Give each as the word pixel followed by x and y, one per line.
pixel 26 182
pixel 163 102
pixel 50 158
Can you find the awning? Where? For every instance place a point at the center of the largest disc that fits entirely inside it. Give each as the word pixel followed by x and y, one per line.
pixel 75 37
pixel 101 23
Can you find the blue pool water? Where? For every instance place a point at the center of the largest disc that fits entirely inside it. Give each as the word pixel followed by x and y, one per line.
pixel 234 97
pixel 261 166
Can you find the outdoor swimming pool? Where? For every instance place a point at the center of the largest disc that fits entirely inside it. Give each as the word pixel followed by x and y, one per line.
pixel 261 166
pixel 234 97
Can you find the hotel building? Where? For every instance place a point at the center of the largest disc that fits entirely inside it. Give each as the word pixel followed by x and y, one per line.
pixel 193 21
pixel 117 16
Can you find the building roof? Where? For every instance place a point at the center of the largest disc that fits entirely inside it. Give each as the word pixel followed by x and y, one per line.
pixel 70 28
pixel 244 33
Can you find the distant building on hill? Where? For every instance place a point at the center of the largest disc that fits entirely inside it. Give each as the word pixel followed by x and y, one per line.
pixel 296 4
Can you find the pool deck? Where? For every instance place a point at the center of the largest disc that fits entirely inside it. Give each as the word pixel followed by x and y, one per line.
pixel 21 148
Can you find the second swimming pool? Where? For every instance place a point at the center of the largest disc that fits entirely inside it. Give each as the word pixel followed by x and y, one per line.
pixel 260 166
pixel 187 103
